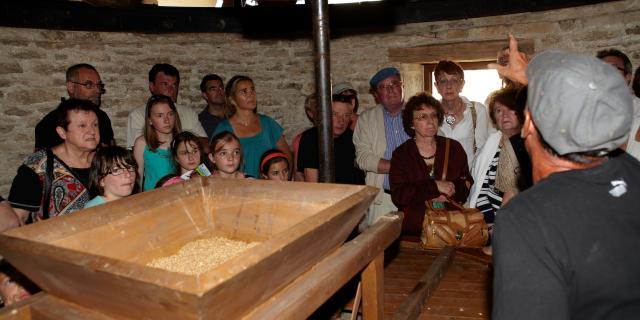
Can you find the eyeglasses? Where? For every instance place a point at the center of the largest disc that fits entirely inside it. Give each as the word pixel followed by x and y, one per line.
pixel 120 170
pixel 90 85
pixel 390 86
pixel 445 82
pixel 425 116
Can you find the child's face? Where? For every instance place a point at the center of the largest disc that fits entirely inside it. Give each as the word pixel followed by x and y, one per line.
pixel 188 155
pixel 162 118
pixel 226 157
pixel 118 182
pixel 278 171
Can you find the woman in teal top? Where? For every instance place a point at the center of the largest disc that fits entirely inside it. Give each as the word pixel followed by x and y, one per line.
pixel 151 150
pixel 257 132
pixel 156 165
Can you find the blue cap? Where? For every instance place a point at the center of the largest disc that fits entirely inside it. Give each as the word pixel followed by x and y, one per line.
pixel 383 74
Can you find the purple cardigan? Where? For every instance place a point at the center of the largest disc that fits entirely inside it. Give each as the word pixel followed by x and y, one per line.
pixel 411 185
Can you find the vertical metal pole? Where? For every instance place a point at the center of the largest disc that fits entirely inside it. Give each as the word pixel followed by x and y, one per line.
pixel 322 61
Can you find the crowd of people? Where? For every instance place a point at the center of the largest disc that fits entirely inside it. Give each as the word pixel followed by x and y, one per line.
pixel 416 151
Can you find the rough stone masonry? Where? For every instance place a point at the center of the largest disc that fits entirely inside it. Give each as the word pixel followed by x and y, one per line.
pixel 33 62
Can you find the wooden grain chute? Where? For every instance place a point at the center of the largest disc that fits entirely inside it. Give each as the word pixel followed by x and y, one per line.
pixel 96 258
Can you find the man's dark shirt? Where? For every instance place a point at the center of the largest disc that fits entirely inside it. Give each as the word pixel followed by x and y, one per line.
pixel 209 122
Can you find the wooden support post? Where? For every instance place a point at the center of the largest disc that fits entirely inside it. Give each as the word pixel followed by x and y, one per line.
pixel 412 306
pixel 305 294
pixel 373 289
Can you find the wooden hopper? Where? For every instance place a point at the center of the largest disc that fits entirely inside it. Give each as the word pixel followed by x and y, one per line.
pixel 97 257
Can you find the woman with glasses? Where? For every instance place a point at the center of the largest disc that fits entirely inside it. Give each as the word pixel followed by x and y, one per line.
pixel 59 175
pixel 257 132
pixel 465 121
pixel 112 176
pixel 417 165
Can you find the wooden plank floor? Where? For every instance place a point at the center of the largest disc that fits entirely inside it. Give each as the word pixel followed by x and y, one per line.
pixel 464 292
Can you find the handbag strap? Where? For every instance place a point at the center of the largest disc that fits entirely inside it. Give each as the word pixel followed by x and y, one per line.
pixel 455 203
pixel 48 179
pixel 446 159
pixel 474 119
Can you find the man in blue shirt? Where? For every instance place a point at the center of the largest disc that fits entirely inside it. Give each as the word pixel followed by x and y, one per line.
pixel 378 133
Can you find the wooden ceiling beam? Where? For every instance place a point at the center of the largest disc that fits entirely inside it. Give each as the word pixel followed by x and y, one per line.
pixel 113 3
pixel 459 51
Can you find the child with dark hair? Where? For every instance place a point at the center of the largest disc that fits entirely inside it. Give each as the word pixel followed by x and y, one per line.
pixel 112 175
pixel 274 165
pixel 189 159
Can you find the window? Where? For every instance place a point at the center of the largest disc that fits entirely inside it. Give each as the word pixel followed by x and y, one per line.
pixel 479 81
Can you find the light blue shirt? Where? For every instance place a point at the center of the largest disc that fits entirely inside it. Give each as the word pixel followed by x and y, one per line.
pixel 395 135
pixel 95 202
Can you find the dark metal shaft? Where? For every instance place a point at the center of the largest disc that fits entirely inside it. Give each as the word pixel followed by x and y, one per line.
pixel 322 61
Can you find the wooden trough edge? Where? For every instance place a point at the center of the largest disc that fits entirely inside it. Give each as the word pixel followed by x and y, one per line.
pixel 329 275
pixel 412 306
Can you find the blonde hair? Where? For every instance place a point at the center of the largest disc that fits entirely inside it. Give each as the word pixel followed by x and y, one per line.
pixel 230 90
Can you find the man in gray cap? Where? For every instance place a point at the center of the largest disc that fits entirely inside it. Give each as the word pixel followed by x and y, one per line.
pixel 566 248
pixel 378 132
pixel 345 88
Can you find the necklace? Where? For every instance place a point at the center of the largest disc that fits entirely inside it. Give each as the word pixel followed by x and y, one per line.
pixel 450 119
pixel 244 123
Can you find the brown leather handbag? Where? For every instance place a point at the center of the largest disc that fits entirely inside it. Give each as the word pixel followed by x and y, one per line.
pixel 450 224
pixel 458 227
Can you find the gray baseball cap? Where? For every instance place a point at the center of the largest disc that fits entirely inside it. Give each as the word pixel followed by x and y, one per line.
pixel 341 87
pixel 578 103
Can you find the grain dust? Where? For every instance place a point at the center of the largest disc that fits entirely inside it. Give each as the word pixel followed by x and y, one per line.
pixel 201 255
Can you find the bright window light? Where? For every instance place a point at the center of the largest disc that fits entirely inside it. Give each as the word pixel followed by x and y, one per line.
pixel 218 3
pixel 186 3
pixel 478 84
pixel 340 1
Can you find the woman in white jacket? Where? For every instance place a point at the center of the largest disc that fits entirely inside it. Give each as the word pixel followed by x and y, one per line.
pixel 502 167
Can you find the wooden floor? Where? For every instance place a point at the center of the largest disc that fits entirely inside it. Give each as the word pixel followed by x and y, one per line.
pixel 463 293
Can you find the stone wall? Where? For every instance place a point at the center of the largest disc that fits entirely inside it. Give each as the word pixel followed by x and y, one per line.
pixel 33 62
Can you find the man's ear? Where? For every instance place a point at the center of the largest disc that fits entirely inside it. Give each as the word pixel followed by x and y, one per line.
pixel 204 96
pixel 61 132
pixel 528 125
pixel 151 87
pixel 375 96
pixel 70 89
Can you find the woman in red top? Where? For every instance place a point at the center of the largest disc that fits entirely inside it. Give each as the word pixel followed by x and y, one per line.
pixel 417 165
